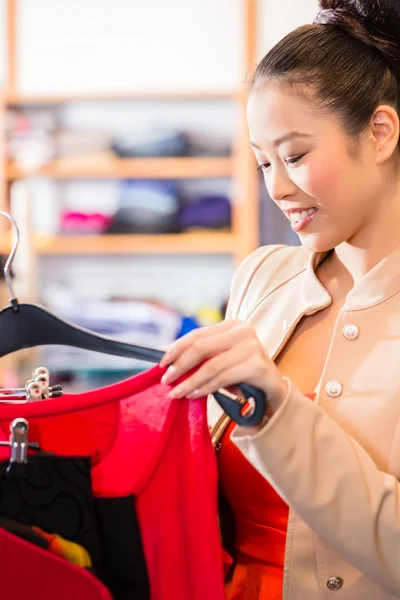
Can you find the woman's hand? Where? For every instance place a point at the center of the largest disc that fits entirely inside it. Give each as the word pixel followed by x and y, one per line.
pixel 231 353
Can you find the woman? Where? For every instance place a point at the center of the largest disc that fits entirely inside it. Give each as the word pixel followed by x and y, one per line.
pixel 317 328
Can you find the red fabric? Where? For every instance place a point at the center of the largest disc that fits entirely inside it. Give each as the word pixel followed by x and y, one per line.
pixel 159 449
pixel 261 519
pixel 28 571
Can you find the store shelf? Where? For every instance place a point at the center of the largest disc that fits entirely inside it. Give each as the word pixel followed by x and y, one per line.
pixel 21 99
pixel 185 243
pixel 205 243
pixel 137 168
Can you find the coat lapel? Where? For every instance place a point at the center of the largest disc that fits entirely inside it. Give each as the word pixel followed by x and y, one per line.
pixel 275 332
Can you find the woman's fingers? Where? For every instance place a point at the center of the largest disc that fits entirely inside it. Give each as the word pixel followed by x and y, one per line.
pixel 207 381
pixel 181 345
pixel 199 346
pixel 222 355
pixel 209 371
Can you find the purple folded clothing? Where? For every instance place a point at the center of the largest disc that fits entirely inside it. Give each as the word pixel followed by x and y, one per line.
pixel 210 212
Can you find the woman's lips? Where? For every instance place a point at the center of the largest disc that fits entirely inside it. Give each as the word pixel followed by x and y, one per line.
pixel 300 219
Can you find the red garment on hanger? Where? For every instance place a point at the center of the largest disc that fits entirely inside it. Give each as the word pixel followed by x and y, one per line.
pixel 30 573
pixel 157 449
pixel 261 518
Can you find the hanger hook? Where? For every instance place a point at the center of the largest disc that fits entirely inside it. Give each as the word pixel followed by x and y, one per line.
pixel 10 259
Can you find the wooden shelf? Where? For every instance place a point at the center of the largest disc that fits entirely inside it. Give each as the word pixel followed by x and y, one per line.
pixel 189 243
pixel 21 99
pixel 136 168
pixel 186 243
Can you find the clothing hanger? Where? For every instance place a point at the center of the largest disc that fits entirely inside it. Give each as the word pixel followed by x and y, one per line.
pixel 29 325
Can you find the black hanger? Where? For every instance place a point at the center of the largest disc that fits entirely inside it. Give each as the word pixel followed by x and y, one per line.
pixel 29 325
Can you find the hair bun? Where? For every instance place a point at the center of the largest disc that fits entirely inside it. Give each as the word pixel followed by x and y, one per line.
pixel 376 11
pixel 376 23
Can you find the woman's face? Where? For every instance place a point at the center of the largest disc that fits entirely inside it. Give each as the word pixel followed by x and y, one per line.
pixel 328 192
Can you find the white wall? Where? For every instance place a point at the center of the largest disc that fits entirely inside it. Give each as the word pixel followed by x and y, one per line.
pixel 131 45
pixel 2 41
pixel 278 17
pixel 123 45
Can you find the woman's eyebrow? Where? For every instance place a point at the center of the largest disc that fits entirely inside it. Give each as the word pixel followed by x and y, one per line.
pixel 284 138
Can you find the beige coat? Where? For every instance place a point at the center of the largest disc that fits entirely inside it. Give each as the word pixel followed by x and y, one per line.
pixel 336 462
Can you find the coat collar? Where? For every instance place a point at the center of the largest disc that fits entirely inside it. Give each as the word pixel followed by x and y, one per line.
pixel 379 284
pixel 376 286
pixel 310 298
pixel 313 295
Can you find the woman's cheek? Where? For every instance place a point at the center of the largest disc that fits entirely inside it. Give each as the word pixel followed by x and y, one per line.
pixel 317 179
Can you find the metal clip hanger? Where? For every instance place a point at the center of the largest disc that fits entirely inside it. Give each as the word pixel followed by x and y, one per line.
pixel 34 390
pixel 41 377
pixel 19 446
pixel 31 391
pixel 19 441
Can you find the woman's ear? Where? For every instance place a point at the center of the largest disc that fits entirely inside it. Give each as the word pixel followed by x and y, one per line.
pixel 385 129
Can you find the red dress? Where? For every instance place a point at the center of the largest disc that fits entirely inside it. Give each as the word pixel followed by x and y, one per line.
pixel 261 519
pixel 153 454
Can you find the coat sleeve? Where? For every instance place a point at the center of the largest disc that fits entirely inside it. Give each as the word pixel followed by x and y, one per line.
pixel 332 483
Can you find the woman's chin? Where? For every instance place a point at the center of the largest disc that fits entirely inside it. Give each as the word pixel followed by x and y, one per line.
pixel 316 242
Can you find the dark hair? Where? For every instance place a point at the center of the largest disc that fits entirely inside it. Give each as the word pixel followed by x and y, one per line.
pixel 350 57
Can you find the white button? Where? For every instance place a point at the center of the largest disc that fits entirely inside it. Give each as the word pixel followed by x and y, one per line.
pixel 286 326
pixel 333 388
pixel 351 331
pixel 334 584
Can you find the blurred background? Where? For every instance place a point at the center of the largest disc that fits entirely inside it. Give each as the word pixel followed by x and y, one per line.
pixel 125 160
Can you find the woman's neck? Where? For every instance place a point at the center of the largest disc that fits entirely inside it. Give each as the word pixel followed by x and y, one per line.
pixel 349 262
pixel 379 237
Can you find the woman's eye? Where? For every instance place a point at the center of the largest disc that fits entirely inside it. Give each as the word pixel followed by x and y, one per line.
pixel 263 167
pixel 294 160
pixel 288 161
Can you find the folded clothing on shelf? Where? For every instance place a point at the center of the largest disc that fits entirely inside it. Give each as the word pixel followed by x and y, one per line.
pixel 81 143
pixel 210 212
pixel 158 142
pixel 206 144
pixel 37 137
pixel 85 223
pixel 146 206
pixel 153 144
pixel 30 138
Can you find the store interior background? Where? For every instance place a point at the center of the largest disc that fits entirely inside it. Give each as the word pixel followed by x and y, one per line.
pixel 125 161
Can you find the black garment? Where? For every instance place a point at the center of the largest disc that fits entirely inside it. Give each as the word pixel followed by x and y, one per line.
pixel 54 493
pixel 122 551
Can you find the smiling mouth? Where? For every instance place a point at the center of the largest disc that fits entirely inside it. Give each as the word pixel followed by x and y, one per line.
pixel 300 219
pixel 297 216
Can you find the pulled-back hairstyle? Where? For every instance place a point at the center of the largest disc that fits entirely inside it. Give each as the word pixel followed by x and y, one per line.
pixel 349 57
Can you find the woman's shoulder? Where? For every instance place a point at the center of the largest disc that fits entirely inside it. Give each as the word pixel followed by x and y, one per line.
pixel 262 272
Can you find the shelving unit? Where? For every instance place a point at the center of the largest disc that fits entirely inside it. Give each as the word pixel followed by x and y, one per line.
pixel 239 242
pixel 187 243
pixel 125 168
pixel 15 99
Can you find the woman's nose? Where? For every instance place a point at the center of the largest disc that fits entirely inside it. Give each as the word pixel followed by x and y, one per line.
pixel 279 185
